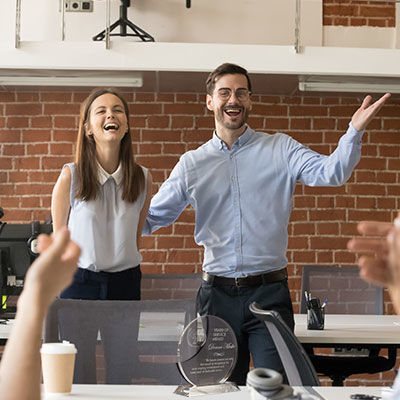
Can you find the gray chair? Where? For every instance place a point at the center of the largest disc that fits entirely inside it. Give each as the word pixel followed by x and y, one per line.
pixel 346 293
pixel 133 341
pixel 298 367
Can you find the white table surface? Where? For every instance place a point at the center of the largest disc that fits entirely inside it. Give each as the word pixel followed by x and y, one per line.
pixel 350 329
pixel 339 329
pixel 149 392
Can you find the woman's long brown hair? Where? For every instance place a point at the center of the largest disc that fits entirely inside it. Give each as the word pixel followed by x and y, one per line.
pixel 133 180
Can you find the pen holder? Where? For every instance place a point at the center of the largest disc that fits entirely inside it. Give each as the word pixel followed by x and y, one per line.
pixel 316 318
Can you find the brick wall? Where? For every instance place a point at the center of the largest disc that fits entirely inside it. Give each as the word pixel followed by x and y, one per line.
pixel 359 13
pixel 37 136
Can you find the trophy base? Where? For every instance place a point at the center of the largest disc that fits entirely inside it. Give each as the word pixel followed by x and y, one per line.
pixel 190 391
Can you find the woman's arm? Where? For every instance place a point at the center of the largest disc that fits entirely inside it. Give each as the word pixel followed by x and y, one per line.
pixel 145 209
pixel 60 200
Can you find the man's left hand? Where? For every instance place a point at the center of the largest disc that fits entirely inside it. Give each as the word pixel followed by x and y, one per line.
pixel 362 117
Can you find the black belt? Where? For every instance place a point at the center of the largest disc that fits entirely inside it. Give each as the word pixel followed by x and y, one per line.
pixel 247 281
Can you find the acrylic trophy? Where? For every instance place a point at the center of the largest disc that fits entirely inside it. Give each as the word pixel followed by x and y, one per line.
pixel 207 354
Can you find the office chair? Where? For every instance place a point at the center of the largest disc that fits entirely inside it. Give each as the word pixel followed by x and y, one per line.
pixel 298 367
pixel 139 339
pixel 346 293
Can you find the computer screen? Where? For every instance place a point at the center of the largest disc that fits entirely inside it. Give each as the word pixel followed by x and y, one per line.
pixel 17 252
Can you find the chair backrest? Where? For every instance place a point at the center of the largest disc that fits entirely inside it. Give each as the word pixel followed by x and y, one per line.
pixel 344 290
pixel 136 341
pixel 298 367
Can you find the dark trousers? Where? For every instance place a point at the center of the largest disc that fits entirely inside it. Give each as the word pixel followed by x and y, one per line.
pixel 231 303
pixel 88 285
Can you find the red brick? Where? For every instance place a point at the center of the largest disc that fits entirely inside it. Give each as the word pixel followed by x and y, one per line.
pixel 55 162
pixel 39 135
pixel 154 256
pixel 366 202
pixel 324 257
pixel 61 148
pixel 199 136
pixel 182 122
pixel 14 216
pixel 13 150
pixel 373 215
pixel 61 109
pixel 327 215
pixel 60 97
pixel 170 242
pixel 67 122
pixel 298 242
pixel 174 148
pixel 37 149
pixel 158 121
pixel 23 109
pixel 384 12
pixel 344 257
pixel 144 97
pixel 328 228
pixel 18 176
pixel 30 202
pixel 10 136
pixel 304 201
pixel 165 97
pixel 17 122
pixel 389 151
pixel 327 242
pixel 366 189
pixel 9 202
pixel 204 122
pixel 191 109
pixel 325 202
pixel 267 110
pixel 153 135
pixel 149 148
pixel 27 163
pixel 308 111
pixel 277 123
pixel 65 135
pixel 345 201
pixel 305 228
pixel 41 122
pixel 43 176
pixel 157 162
pixel 184 256
pixel 137 122
pixel 29 189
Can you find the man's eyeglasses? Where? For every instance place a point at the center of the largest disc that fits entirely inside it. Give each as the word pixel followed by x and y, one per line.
pixel 226 93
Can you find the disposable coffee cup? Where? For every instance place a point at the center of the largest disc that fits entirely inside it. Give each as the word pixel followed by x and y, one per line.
pixel 58 360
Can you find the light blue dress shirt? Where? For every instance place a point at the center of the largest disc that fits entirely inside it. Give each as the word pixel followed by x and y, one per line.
pixel 243 196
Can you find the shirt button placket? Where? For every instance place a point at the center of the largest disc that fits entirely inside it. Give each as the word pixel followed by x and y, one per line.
pixel 236 211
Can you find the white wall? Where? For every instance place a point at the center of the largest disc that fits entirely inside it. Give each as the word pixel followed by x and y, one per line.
pixel 207 21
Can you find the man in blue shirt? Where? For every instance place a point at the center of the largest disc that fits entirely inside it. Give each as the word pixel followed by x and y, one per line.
pixel 240 184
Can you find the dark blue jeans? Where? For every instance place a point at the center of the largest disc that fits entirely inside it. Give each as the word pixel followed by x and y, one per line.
pixel 231 303
pixel 89 285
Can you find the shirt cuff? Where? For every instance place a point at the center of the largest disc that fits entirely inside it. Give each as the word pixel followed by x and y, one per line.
pixel 353 135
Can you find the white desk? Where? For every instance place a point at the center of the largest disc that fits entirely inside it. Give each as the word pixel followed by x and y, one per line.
pixel 339 329
pixel 351 329
pixel 145 392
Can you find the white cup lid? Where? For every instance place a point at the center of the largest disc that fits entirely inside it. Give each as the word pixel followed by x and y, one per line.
pixel 58 348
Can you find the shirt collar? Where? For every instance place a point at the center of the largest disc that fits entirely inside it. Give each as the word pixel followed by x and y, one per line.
pixel 103 175
pixel 242 140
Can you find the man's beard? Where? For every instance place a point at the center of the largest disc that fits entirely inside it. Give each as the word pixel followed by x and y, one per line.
pixel 222 118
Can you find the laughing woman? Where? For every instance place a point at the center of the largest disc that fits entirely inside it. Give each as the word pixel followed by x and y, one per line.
pixel 103 198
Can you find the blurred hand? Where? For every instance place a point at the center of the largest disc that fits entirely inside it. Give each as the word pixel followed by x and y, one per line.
pixel 374 266
pixel 54 269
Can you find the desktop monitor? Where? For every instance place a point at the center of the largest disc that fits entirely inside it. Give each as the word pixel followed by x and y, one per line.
pixel 17 252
